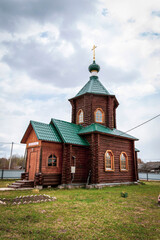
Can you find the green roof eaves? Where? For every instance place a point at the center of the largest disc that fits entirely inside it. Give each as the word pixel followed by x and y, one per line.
pixel 95 127
pixel 136 150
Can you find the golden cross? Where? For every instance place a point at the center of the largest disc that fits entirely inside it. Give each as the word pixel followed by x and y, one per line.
pixel 94 52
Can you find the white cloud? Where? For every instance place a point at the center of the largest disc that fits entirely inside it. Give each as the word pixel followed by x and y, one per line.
pixel 128 53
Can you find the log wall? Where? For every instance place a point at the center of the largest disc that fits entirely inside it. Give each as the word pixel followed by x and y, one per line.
pixel 89 103
pixel 49 148
pixel 116 145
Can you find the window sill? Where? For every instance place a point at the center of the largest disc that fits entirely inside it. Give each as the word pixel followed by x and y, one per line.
pixel 51 167
pixel 111 170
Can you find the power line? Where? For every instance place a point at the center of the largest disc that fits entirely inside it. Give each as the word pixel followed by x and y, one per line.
pixel 123 133
pixel 142 123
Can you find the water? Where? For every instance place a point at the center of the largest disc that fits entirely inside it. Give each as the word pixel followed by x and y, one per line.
pixel 151 176
pixel 6 174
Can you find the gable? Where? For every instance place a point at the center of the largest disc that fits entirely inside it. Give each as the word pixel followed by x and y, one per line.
pixel 32 137
pixel 43 131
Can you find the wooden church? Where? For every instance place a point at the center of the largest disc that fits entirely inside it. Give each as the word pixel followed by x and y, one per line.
pixel 89 150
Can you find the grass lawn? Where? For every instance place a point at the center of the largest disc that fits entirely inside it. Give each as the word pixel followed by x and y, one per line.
pixel 85 214
pixel 5 182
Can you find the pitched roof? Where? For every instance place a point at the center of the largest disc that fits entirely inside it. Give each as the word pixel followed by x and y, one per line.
pixel 95 127
pixel 62 131
pixel 46 132
pixel 93 86
pixel 43 131
pixel 69 132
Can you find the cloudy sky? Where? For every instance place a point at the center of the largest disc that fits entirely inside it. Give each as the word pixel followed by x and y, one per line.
pixel 45 50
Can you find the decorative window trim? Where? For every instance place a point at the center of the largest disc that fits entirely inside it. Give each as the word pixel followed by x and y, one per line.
pixel 124 170
pixel 112 161
pixel 99 109
pixel 53 154
pixel 79 112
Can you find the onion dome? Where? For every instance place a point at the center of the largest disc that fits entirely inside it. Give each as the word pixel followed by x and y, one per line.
pixel 94 67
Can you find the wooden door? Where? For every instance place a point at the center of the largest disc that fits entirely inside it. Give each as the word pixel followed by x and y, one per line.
pixel 32 165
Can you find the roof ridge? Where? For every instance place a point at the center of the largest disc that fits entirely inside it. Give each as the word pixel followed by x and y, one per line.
pixel 69 132
pixel 66 122
pixel 93 86
pixel 32 121
pixel 53 120
pixel 90 86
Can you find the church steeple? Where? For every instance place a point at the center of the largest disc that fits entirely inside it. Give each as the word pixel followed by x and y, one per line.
pixel 93 103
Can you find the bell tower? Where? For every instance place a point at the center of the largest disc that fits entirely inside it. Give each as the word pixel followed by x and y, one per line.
pixel 93 103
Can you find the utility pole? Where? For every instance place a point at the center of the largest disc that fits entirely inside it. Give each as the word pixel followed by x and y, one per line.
pixel 11 156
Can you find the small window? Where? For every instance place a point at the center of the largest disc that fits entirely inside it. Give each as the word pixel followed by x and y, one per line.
pixel 99 115
pixel 52 160
pixel 123 162
pixel 80 116
pixel 109 161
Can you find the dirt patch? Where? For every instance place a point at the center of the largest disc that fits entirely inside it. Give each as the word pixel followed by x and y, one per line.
pixel 27 199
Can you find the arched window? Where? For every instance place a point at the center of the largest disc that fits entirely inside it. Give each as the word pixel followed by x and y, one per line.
pixel 109 161
pixel 52 160
pixel 123 162
pixel 99 115
pixel 80 116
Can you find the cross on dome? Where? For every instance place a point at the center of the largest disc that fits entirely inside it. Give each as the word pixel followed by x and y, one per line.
pixel 94 68
pixel 93 49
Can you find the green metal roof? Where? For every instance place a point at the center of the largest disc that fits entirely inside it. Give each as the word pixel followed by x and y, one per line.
pixel 69 132
pixel 137 150
pixel 45 132
pixel 93 86
pixel 95 127
pixel 62 131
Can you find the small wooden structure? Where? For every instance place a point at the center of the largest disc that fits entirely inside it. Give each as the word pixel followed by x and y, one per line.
pixel 89 149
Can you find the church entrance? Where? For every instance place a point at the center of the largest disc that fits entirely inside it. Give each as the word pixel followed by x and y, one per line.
pixel 32 165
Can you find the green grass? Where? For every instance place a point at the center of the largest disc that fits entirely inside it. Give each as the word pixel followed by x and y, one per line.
pixel 85 214
pixel 5 182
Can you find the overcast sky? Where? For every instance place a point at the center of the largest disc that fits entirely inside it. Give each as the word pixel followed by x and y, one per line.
pixel 45 51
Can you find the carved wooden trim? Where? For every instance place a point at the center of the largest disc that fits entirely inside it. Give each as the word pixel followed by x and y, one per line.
pixel 103 119
pixel 124 170
pixel 78 113
pixel 112 161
